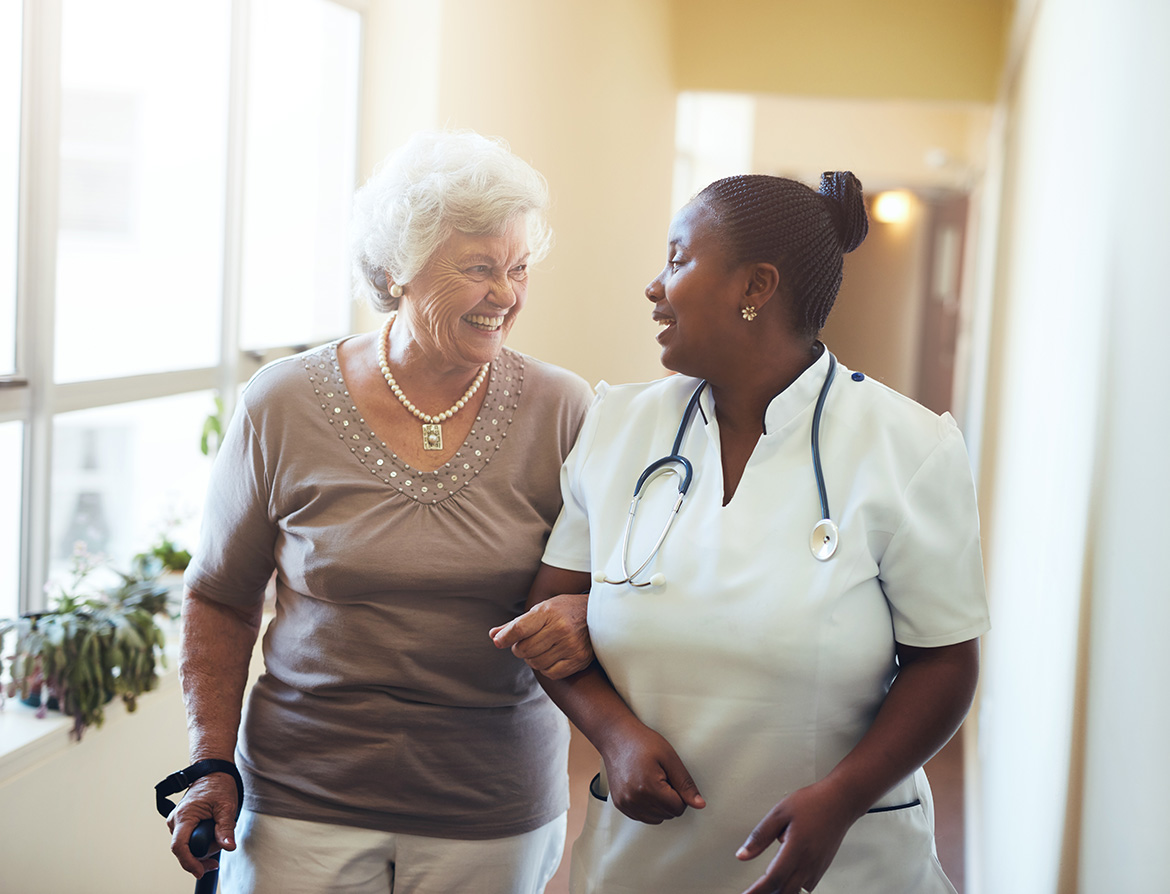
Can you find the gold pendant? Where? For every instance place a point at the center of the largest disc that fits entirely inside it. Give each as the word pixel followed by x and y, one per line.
pixel 432 436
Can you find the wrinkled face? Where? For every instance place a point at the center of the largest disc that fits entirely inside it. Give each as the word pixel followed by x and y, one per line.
pixel 465 301
pixel 695 296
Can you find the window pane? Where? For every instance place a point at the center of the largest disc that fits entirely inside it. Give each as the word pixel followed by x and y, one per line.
pixel 10 62
pixel 11 474
pixel 300 171
pixel 124 475
pixel 144 92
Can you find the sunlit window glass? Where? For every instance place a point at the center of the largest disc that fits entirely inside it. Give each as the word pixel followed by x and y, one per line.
pixel 11 473
pixel 300 171
pixel 125 476
pixel 10 62
pixel 144 96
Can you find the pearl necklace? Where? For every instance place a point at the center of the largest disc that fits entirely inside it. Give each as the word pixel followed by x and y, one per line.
pixel 432 430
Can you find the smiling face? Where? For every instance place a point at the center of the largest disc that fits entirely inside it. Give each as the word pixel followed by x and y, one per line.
pixel 696 296
pixel 466 300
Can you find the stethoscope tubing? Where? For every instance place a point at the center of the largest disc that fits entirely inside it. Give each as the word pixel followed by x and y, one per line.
pixel 816 437
pixel 658 467
pixel 824 538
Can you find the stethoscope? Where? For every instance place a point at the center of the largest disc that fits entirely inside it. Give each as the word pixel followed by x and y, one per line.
pixel 822 541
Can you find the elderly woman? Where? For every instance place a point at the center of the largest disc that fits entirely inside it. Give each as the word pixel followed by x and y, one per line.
pixel 804 637
pixel 402 484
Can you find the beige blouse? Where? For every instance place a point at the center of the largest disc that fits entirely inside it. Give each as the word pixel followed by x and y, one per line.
pixel 384 703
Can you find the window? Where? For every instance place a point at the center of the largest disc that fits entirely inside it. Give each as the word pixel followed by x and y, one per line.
pixel 170 160
pixel 11 446
pixel 143 156
pixel 125 473
pixel 11 59
pixel 302 103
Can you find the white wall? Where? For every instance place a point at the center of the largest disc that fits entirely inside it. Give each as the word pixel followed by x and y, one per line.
pixel 1126 771
pixel 1073 727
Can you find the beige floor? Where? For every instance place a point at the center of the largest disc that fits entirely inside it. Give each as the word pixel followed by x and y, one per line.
pixel 946 781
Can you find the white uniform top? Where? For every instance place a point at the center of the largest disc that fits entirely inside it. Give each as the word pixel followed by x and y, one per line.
pixel 761 665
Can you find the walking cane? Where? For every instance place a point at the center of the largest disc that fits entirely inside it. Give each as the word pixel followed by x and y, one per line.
pixel 202 845
pixel 202 841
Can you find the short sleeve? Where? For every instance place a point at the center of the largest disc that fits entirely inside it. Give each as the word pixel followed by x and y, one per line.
pixel 568 545
pixel 235 556
pixel 932 569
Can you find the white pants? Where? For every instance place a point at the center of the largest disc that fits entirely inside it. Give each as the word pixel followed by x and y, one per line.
pixel 276 855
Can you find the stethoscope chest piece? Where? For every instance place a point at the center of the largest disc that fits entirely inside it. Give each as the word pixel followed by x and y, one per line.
pixel 823 539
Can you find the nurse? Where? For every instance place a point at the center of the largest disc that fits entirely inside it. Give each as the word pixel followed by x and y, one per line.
pixel 757 699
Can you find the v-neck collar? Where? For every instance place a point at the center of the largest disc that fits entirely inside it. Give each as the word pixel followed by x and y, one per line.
pixel 487 435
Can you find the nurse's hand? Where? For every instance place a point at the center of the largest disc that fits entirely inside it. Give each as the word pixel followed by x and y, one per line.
pixel 552 637
pixel 647 779
pixel 810 825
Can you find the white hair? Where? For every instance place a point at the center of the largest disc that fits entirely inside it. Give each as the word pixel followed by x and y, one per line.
pixel 437 183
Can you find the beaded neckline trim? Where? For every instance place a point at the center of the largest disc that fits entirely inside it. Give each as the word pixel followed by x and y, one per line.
pixel 504 385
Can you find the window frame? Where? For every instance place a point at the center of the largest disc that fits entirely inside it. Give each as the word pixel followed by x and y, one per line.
pixel 31 395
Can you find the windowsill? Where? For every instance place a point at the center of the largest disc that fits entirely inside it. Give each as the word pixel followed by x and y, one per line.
pixel 26 740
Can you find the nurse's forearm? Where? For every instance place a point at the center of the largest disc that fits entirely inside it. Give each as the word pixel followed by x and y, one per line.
pixel 647 780
pixel 587 698
pixel 925 706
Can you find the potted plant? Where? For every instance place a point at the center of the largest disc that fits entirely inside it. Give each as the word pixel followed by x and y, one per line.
pixel 91 646
pixel 169 557
pixel 164 562
pixel 212 430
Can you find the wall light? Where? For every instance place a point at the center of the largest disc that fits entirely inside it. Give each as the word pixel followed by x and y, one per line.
pixel 892 207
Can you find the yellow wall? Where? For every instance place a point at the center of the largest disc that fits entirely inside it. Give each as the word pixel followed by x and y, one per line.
pixel 905 49
pixel 886 143
pixel 586 92
pixel 583 92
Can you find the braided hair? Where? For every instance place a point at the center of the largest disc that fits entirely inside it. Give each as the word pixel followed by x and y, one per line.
pixel 802 232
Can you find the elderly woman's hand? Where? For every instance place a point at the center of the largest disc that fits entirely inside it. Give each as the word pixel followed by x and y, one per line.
pixel 212 796
pixel 552 637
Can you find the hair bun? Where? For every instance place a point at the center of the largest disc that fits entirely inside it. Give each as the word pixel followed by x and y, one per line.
pixel 848 207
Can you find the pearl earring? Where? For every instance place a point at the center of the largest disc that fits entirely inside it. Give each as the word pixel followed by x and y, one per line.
pixel 395 291
pixel 749 312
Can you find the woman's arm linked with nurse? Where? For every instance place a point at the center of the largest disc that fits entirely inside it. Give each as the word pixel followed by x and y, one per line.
pixel 753 267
